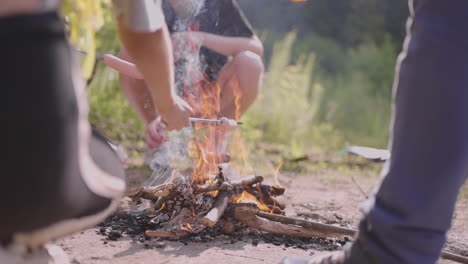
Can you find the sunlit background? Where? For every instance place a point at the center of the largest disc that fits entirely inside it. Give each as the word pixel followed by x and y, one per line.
pixel 329 72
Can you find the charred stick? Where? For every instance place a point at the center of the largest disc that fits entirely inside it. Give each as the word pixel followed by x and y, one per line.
pixel 154 192
pixel 212 217
pixel 166 234
pixel 332 230
pixel 160 203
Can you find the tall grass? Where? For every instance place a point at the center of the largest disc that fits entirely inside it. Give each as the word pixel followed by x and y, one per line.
pixel 343 97
pixel 287 108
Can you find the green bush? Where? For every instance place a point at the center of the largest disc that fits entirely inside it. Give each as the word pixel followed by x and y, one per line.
pixel 286 110
pixel 317 94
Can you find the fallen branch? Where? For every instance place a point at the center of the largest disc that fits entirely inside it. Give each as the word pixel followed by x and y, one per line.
pixel 340 231
pixel 333 231
pixel 454 257
pixel 359 187
pixel 247 214
pixel 212 217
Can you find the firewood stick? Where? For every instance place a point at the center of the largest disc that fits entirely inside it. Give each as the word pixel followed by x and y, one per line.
pixel 154 192
pixel 342 231
pixel 307 224
pixel 166 234
pixel 453 257
pixel 247 214
pixel 215 186
pixel 212 217
pixel 247 181
pixel 226 186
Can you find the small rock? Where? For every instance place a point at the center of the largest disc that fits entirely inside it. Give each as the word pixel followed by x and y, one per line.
pixel 114 235
pixel 255 242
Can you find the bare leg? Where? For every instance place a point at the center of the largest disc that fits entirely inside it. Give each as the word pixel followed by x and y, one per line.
pixel 240 80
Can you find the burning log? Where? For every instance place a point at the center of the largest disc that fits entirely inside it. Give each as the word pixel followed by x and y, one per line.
pixel 268 200
pixel 218 209
pixel 275 210
pixel 271 190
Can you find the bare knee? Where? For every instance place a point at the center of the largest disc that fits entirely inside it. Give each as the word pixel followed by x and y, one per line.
pixel 249 71
pixel 247 61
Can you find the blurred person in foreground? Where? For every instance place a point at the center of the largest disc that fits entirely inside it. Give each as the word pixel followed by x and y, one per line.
pixel 407 219
pixel 58 177
pixel 230 54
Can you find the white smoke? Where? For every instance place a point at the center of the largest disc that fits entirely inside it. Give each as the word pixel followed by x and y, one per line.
pixel 188 70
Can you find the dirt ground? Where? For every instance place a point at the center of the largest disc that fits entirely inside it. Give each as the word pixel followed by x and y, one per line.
pixel 330 196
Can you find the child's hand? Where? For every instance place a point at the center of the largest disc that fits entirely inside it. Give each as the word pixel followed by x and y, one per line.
pixel 156 133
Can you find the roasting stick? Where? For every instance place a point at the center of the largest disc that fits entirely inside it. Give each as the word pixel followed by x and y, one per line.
pixel 208 121
pixel 131 70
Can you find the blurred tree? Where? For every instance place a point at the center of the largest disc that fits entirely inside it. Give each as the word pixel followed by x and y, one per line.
pixel 83 19
pixel 352 22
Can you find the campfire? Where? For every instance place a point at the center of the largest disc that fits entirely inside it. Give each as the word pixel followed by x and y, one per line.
pixel 187 208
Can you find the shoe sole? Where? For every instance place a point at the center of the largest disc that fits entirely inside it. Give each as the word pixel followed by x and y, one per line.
pixel 57 230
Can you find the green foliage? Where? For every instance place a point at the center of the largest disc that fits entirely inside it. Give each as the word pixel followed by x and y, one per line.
pixel 287 107
pixel 347 100
pixel 358 98
pixel 109 109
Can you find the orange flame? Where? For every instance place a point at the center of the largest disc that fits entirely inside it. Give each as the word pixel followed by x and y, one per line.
pixel 246 197
pixel 187 227
pixel 277 173
pixel 162 208
pixel 204 96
